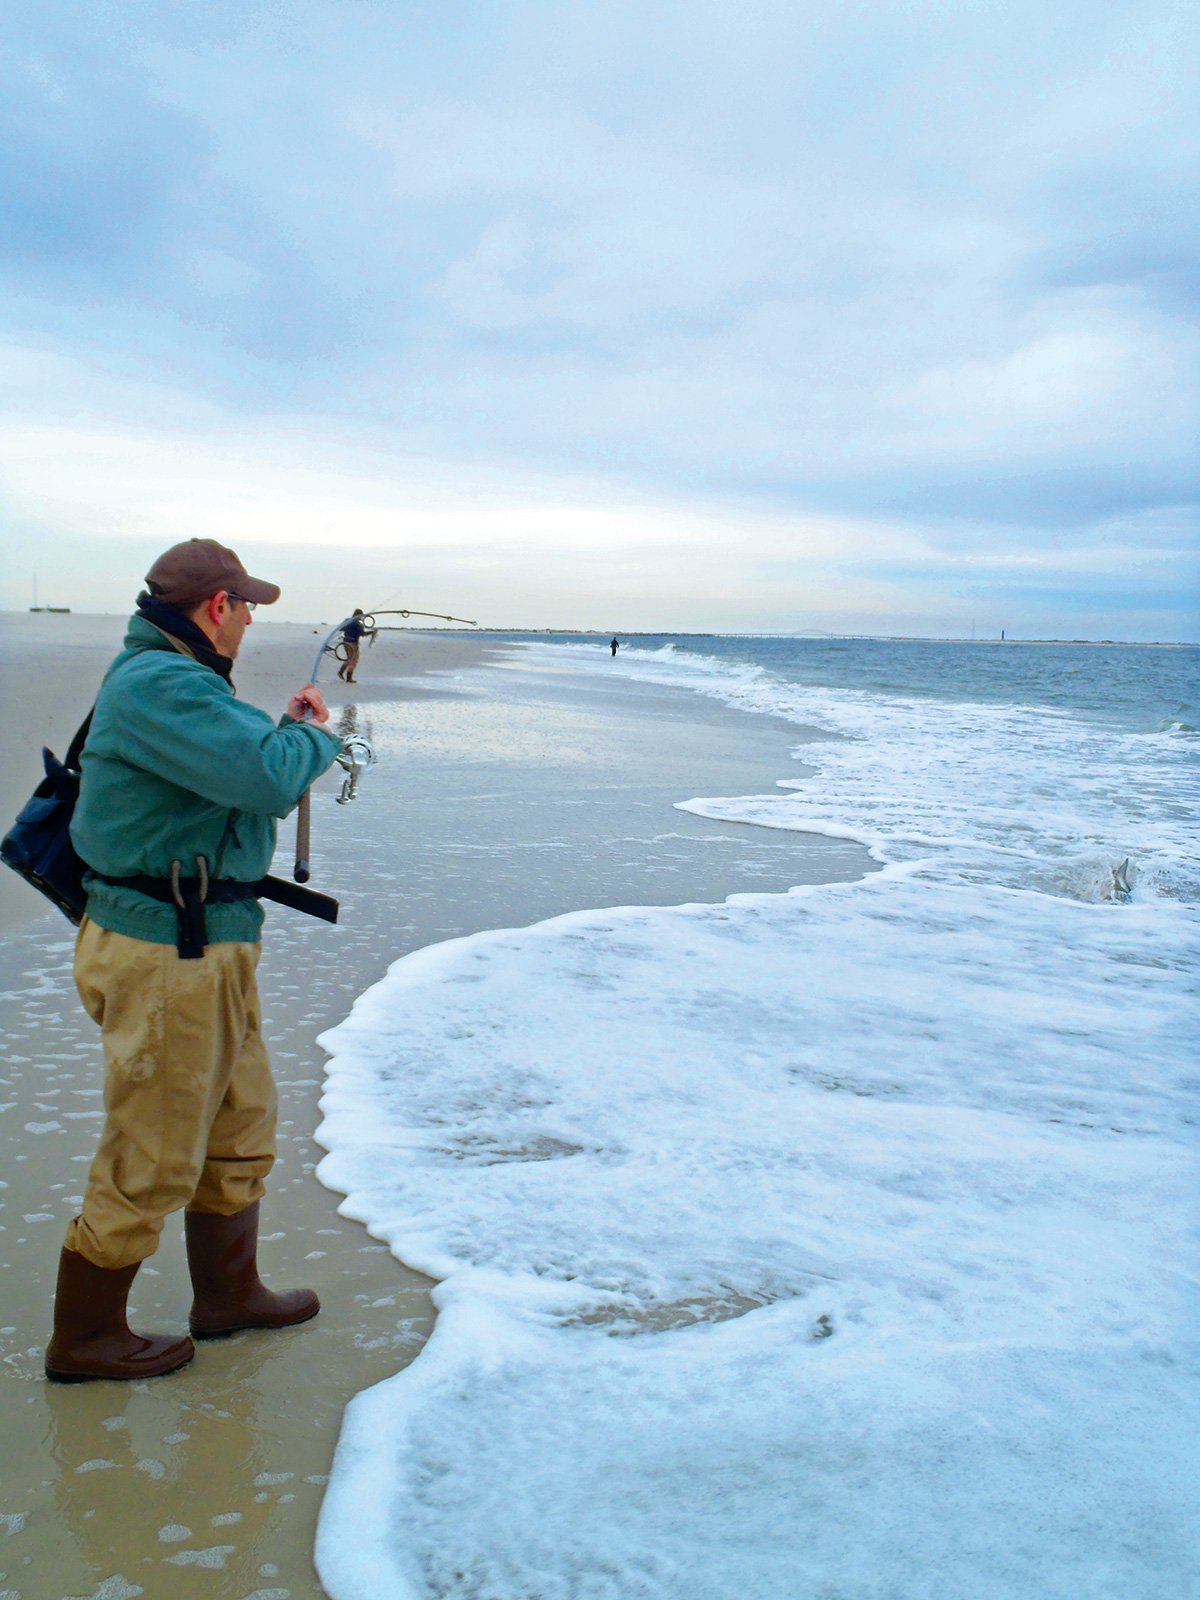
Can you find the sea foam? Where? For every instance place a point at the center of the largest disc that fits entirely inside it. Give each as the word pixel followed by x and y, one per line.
pixel 831 1243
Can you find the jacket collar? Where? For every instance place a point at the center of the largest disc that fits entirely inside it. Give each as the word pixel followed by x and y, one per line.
pixel 181 633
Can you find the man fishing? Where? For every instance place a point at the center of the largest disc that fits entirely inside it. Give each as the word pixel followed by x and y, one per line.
pixel 182 785
pixel 352 634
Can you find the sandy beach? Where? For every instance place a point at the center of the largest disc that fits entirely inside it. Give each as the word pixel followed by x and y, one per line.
pixel 501 798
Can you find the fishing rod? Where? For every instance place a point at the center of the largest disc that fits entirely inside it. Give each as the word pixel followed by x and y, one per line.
pixel 356 755
pixel 329 646
pixel 340 650
pixel 440 616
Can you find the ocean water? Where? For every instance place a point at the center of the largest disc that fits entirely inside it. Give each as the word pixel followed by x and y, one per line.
pixel 1041 766
pixel 837 1243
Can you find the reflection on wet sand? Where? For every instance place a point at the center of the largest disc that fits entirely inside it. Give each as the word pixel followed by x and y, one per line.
pixel 188 1521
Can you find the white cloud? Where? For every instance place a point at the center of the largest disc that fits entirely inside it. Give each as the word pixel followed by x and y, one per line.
pixel 816 303
pixel 676 292
pixel 131 467
pixel 106 465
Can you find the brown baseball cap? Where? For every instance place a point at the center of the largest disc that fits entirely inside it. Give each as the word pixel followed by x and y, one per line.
pixel 192 571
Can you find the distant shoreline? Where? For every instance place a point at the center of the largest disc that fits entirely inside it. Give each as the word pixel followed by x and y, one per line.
pixel 710 633
pixel 876 638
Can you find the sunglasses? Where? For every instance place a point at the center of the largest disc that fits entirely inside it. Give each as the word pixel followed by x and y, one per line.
pixel 249 604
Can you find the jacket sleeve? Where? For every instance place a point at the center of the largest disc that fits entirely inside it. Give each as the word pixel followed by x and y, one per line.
pixel 184 724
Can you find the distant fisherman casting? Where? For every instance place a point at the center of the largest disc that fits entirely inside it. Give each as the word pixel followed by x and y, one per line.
pixel 181 789
pixel 352 632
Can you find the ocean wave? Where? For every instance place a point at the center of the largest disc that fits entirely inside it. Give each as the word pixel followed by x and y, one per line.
pixel 804 1238
pixel 898 1171
pixel 1028 796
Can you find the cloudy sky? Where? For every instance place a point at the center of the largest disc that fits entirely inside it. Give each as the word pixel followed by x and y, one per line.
pixel 876 315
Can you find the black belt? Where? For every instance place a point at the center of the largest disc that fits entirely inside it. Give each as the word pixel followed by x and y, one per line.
pixel 190 896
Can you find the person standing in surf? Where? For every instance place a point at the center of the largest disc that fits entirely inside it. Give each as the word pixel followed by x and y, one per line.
pixel 182 785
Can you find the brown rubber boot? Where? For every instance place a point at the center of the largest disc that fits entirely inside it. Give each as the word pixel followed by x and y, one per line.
pixel 91 1337
pixel 222 1257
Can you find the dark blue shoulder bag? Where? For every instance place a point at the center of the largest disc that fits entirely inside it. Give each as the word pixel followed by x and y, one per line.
pixel 38 845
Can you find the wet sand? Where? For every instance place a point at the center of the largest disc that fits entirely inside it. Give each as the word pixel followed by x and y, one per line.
pixel 502 796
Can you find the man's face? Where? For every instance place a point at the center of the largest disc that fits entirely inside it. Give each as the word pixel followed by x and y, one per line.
pixel 232 619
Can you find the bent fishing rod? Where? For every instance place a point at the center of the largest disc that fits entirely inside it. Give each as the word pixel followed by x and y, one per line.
pixel 357 753
pixel 301 869
pixel 369 618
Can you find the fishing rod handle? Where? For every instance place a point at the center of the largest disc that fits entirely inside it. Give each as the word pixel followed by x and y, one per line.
pixel 303 829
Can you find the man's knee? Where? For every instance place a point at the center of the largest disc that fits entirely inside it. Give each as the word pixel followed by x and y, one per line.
pixel 111 1240
pixel 227 1186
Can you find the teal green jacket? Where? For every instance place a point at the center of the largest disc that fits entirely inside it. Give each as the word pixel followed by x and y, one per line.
pixel 176 767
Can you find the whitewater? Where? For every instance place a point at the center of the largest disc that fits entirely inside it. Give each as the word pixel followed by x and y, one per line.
pixel 834 1244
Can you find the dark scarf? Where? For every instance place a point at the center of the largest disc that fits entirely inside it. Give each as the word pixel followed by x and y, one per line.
pixel 168 619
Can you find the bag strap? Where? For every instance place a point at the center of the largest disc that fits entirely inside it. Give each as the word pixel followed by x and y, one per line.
pixel 75 749
pixel 77 743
